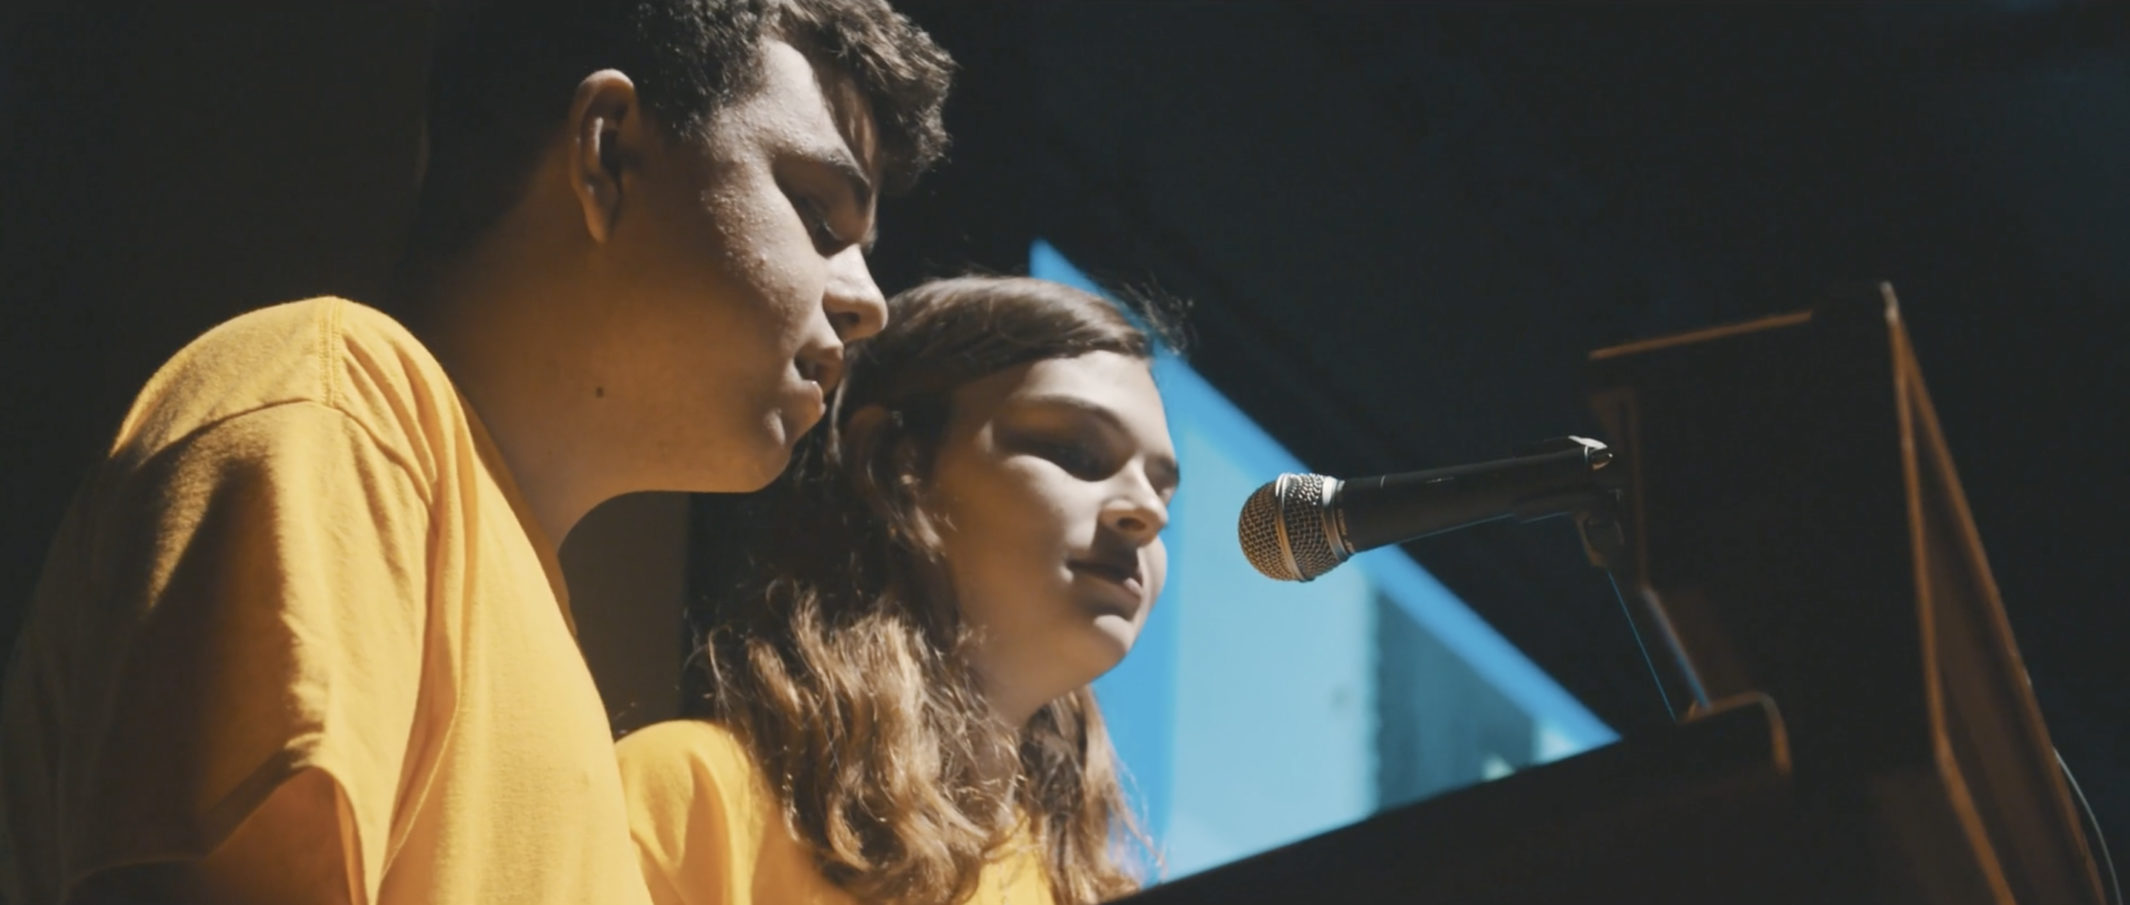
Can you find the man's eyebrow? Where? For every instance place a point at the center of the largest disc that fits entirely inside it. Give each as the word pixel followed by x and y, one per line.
pixel 837 157
pixel 861 186
pixel 1167 474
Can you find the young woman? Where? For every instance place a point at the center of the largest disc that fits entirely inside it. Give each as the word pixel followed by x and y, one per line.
pixel 899 710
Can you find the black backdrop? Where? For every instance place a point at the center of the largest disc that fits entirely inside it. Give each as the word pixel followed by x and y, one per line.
pixel 1403 225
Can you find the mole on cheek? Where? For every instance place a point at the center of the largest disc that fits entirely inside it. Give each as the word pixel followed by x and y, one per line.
pixel 599 392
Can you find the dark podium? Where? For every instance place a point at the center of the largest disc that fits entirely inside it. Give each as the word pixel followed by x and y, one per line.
pixel 1792 532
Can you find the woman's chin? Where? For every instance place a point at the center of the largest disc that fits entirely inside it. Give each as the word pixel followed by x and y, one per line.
pixel 1114 636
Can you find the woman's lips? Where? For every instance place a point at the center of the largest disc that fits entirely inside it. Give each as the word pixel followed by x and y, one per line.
pixel 1121 588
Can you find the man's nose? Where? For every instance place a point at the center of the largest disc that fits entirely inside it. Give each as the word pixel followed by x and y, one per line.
pixel 853 301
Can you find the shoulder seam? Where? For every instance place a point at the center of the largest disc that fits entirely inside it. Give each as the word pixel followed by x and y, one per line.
pixel 398 459
pixel 331 349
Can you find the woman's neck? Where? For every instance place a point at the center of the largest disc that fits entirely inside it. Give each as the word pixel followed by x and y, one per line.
pixel 1000 764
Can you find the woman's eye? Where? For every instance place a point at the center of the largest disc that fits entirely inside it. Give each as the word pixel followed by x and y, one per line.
pixel 1074 458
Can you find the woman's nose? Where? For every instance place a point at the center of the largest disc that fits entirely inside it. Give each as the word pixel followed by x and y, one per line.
pixel 1139 514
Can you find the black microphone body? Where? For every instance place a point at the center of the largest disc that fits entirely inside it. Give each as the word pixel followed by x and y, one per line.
pixel 1300 526
pixel 1389 509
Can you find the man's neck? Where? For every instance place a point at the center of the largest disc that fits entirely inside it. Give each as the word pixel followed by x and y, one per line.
pixel 484 325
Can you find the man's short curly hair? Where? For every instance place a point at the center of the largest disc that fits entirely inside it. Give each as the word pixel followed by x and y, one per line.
pixel 501 81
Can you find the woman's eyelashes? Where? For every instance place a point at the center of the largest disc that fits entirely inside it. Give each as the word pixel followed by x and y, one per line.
pixel 1075 457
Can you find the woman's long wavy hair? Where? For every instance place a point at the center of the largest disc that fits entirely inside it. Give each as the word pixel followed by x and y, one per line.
pixel 840 662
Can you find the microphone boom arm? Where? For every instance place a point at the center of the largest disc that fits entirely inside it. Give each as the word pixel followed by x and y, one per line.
pixel 1300 526
pixel 1563 475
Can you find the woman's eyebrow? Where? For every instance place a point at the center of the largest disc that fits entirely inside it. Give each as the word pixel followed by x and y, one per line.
pixel 1162 468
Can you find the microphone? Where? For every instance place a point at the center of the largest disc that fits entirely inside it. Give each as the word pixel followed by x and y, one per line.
pixel 1300 526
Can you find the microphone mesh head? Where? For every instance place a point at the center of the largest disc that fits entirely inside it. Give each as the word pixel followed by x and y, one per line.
pixel 1291 506
pixel 1259 530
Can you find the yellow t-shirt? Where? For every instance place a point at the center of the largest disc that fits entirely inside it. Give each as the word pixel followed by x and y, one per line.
pixel 712 833
pixel 303 552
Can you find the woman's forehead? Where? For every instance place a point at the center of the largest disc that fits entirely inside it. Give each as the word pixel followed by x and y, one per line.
pixel 1106 386
pixel 1097 379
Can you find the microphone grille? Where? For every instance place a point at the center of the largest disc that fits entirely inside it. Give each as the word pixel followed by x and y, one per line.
pixel 1259 530
pixel 1282 529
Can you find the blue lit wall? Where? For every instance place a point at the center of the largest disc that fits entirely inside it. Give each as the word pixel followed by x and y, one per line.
pixel 1253 712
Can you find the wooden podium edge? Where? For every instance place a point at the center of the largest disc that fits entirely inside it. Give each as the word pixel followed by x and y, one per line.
pixel 1923 436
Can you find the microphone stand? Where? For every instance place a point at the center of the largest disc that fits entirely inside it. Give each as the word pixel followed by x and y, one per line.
pixel 1600 518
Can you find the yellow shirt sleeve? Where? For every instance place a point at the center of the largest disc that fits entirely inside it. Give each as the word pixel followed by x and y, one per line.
pixel 705 826
pixel 303 553
pixel 710 832
pixel 262 580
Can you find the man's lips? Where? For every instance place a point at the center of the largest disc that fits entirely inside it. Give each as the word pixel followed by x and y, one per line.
pixel 824 367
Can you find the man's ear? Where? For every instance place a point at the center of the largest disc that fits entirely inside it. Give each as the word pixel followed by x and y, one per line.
pixel 608 135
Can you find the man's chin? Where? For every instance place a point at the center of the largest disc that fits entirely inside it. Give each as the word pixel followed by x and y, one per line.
pixel 797 418
pixel 763 461
pixel 763 457
pixel 797 426
pixel 771 466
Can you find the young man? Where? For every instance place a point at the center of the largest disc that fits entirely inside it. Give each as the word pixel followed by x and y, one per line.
pixel 303 637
